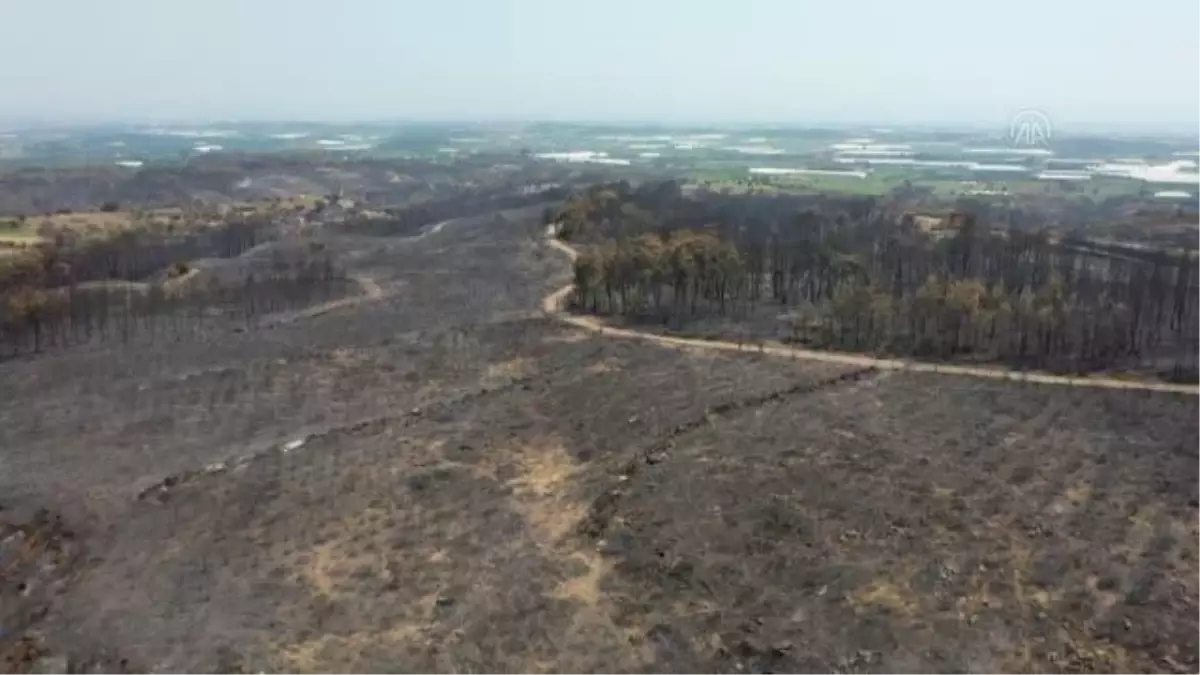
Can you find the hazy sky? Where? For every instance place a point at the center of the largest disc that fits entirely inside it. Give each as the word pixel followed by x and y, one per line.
pixel 900 61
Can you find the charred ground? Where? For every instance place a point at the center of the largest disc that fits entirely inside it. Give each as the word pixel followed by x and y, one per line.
pixel 444 478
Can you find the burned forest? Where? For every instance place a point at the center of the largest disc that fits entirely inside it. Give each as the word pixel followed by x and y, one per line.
pixel 505 414
pixel 859 274
pixel 145 285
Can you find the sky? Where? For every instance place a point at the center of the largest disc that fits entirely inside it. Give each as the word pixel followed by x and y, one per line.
pixel 1082 63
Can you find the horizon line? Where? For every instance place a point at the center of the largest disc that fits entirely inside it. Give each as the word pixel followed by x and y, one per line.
pixel 1179 127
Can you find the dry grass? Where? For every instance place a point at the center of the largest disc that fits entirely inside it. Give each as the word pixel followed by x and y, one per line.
pixel 509 370
pixel 609 365
pixel 105 223
pixel 545 495
pixel 894 596
pixel 313 655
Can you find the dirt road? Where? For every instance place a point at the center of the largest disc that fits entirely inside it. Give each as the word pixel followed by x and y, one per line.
pixel 371 291
pixel 553 304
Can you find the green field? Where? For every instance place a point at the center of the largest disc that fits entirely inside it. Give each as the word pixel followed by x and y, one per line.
pixel 738 180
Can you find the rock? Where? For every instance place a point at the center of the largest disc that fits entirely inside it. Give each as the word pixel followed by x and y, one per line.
pixel 50 664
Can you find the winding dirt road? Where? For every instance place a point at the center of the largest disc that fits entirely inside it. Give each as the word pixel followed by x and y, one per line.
pixel 553 304
pixel 371 291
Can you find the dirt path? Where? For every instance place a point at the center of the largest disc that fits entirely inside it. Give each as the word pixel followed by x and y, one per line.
pixel 371 291
pixel 137 286
pixel 435 229
pixel 371 288
pixel 553 304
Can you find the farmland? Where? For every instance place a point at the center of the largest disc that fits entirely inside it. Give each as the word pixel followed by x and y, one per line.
pixel 413 461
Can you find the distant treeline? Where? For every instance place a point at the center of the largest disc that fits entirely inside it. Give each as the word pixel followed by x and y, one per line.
pixel 32 320
pixel 128 255
pixel 71 291
pixel 849 273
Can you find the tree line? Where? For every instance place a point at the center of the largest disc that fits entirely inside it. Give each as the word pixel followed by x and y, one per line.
pixel 70 291
pixel 854 273
pixel 33 320
pixel 128 255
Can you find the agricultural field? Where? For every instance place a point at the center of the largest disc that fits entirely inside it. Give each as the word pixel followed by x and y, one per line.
pixel 945 190
pixel 442 475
